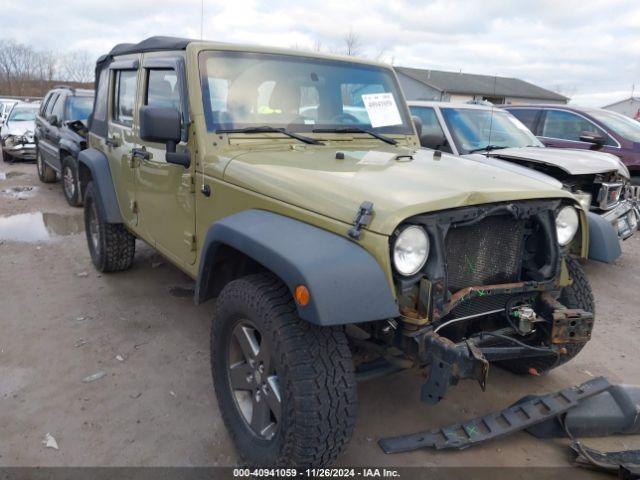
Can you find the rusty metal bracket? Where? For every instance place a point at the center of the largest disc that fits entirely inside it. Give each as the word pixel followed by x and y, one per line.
pixel 568 325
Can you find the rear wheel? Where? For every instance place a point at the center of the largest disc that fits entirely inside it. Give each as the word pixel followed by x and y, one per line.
pixel 111 245
pixel 285 388
pixel 70 185
pixel 46 174
pixel 577 295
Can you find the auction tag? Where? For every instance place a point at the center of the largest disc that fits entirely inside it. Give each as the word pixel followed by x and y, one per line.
pixel 382 109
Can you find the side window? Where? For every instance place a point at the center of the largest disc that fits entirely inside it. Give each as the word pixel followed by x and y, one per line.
pixel 124 96
pixel 567 126
pixel 49 107
pixel 162 89
pixel 527 116
pixel 58 108
pixel 43 105
pixel 102 96
pixel 430 123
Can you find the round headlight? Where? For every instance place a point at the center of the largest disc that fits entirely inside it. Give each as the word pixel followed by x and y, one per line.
pixel 567 223
pixel 411 250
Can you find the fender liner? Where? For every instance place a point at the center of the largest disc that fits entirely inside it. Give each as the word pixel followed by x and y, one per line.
pixel 346 283
pixel 604 244
pixel 98 165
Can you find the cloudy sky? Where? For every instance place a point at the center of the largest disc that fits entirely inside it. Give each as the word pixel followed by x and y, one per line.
pixel 586 49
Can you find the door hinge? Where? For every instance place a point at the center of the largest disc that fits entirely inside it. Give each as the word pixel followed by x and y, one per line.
pixel 190 241
pixel 132 160
pixel 134 206
pixel 189 182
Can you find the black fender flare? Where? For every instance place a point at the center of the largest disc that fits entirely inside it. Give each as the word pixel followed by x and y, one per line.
pixel 68 146
pixel 97 164
pixel 346 283
pixel 604 244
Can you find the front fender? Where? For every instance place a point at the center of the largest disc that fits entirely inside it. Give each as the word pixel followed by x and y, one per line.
pixel 346 283
pixel 68 146
pixel 96 164
pixel 604 245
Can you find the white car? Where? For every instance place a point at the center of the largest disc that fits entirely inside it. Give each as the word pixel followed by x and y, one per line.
pixel 16 134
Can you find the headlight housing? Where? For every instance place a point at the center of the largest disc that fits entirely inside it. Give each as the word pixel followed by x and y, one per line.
pixel 567 223
pixel 411 250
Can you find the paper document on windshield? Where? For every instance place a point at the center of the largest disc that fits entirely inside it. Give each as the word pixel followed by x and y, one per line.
pixel 382 109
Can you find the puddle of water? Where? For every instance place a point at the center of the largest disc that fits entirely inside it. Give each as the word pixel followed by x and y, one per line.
pixel 39 227
pixel 19 192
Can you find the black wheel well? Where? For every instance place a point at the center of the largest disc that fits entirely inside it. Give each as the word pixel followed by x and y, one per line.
pixel 84 176
pixel 225 265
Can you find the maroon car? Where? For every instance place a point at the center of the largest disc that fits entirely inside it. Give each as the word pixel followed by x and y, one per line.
pixel 566 126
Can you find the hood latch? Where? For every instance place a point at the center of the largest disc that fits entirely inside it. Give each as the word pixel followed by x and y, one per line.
pixel 363 217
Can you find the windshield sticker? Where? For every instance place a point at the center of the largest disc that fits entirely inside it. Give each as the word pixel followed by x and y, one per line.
pixel 376 158
pixel 382 109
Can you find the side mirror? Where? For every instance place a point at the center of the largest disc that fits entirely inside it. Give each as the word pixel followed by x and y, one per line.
pixel 592 137
pixel 433 141
pixel 417 122
pixel 163 125
pixel 53 120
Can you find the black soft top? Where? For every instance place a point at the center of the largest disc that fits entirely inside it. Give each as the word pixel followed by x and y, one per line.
pixel 151 44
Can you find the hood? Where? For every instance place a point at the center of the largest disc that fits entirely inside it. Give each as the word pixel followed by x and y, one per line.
pixel 399 187
pixel 18 128
pixel 572 161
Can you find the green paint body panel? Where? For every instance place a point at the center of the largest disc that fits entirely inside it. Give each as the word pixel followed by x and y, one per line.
pixel 162 203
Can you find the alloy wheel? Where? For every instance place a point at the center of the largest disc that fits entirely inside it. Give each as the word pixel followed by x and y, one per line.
pixel 254 381
pixel 69 182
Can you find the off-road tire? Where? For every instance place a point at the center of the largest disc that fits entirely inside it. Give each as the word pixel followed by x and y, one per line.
pixel 114 247
pixel 46 174
pixel 576 295
pixel 72 194
pixel 315 374
pixel 5 156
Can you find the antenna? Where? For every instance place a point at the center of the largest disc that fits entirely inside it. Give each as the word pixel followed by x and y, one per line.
pixel 201 18
pixel 495 80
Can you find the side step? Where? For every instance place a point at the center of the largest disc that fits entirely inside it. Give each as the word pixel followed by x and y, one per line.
pixel 494 425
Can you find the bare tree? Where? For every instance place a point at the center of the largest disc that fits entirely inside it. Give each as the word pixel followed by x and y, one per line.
pixel 352 44
pixel 78 66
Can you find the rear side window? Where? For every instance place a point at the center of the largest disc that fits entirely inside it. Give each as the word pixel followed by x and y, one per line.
pixel 568 126
pixel 43 106
pixel 527 116
pixel 162 89
pixel 49 106
pixel 124 97
pixel 430 123
pixel 79 108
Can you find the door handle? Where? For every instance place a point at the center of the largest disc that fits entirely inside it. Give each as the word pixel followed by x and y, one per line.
pixel 112 141
pixel 140 153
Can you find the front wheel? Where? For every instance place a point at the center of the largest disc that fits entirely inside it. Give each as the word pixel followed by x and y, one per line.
pixel 577 295
pixel 285 388
pixel 70 185
pixel 111 246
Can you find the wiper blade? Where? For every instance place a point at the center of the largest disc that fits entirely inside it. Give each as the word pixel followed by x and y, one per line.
pixel 267 129
pixel 488 148
pixel 384 138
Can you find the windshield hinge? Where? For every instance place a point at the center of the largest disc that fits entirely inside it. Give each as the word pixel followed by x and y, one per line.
pixel 362 220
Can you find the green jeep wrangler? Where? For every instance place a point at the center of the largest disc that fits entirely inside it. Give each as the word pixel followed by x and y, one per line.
pixel 291 187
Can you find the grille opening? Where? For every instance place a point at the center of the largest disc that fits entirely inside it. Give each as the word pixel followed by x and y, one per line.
pixel 486 253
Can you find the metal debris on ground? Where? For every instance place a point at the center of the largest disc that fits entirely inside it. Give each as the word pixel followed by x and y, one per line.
pixel 82 274
pixel 94 377
pixel 50 442
pixel 81 342
pixel 624 464
pixel 529 411
pixel 120 358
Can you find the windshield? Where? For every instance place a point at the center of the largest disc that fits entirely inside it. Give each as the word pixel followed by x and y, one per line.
pixel 79 108
pixel 474 129
pixel 623 126
pixel 23 114
pixel 301 94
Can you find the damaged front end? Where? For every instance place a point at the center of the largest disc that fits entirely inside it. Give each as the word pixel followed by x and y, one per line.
pixel 21 147
pixel 489 292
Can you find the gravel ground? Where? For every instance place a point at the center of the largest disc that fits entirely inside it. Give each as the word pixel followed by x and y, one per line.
pixel 61 321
